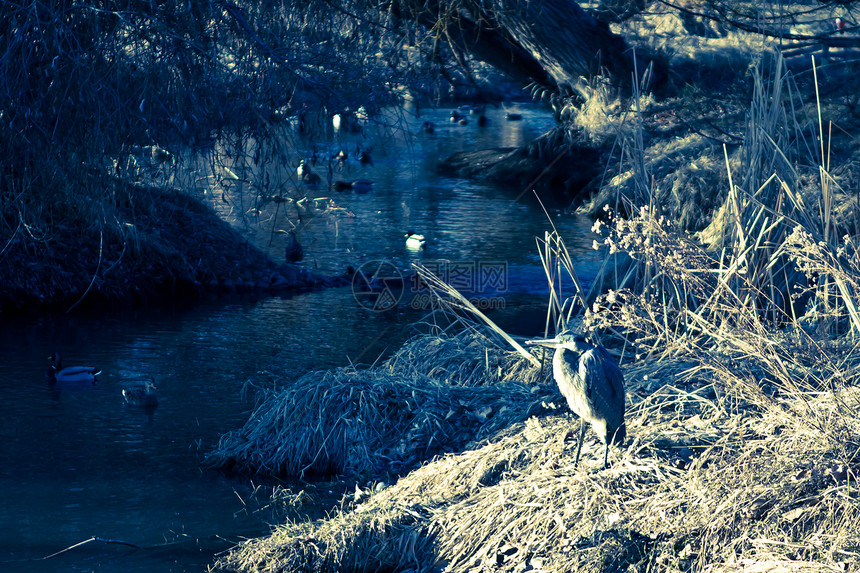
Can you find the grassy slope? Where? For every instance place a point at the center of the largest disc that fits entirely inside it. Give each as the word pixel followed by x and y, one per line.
pixel 707 477
pixel 742 417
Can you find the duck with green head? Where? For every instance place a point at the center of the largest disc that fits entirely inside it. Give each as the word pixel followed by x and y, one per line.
pixel 414 241
pixel 71 374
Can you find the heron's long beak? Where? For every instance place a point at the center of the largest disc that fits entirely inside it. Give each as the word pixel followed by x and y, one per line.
pixel 548 342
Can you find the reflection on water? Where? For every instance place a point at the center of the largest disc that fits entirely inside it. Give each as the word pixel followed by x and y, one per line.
pixel 462 220
pixel 77 462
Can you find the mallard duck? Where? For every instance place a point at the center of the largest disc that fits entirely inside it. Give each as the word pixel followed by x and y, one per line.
pixel 74 374
pixel 415 241
pixel 309 177
pixel 428 127
pixel 294 251
pixel 364 158
pixel 142 395
pixel 340 186
pixel 362 186
pixel 511 116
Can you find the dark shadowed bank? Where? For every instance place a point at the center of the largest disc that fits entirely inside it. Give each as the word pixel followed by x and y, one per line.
pixel 145 245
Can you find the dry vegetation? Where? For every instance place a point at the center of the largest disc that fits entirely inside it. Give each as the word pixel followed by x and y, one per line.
pixel 103 103
pixel 739 351
pixel 720 468
pixel 433 396
pixel 738 344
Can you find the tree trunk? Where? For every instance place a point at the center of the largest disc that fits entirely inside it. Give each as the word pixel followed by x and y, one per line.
pixel 566 41
pixel 550 42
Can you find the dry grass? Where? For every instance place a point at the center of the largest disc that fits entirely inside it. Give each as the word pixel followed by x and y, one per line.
pixel 742 448
pixel 742 407
pixel 384 420
pixel 697 485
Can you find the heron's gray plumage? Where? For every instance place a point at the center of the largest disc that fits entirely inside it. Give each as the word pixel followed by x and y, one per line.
pixel 593 384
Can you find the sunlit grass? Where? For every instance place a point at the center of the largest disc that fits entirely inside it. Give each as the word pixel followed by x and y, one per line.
pixel 739 355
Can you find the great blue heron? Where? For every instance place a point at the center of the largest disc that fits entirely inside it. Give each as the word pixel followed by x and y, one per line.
pixel 593 384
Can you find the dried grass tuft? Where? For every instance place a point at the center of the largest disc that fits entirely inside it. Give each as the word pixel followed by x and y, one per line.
pixel 465 359
pixel 382 420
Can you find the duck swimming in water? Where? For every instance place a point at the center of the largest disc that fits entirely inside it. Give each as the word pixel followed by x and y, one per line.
pixel 310 178
pixel 142 395
pixel 415 241
pixel 341 186
pixel 362 186
pixel 294 251
pixel 306 174
pixel 74 374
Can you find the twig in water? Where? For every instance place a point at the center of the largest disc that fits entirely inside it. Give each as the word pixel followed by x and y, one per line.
pixel 76 545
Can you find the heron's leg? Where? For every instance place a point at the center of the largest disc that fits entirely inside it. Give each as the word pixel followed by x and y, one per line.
pixel 579 445
pixel 606 456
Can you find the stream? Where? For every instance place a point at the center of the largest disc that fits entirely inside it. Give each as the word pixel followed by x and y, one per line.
pixel 78 463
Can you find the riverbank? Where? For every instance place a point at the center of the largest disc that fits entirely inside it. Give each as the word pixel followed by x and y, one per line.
pixel 141 245
pixel 738 347
pixel 714 476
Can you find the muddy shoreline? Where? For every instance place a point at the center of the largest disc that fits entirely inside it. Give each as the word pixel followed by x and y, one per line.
pixel 156 246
